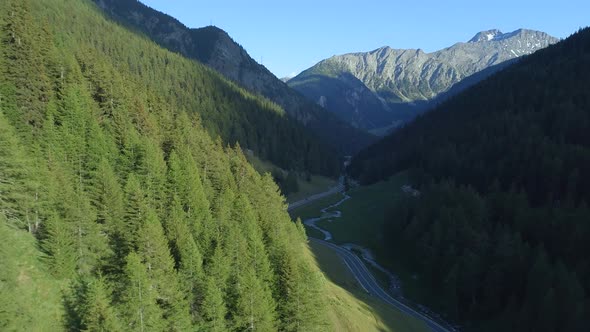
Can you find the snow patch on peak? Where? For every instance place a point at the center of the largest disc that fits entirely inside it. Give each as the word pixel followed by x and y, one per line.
pixel 484 36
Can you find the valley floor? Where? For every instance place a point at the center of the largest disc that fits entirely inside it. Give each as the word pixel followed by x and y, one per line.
pixel 355 226
pixel 350 307
pixel 336 218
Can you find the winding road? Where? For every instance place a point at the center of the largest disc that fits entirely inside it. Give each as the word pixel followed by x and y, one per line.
pixel 358 269
pixel 371 286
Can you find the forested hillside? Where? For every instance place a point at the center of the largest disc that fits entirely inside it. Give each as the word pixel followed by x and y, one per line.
pixel 225 109
pixel 502 226
pixel 118 211
pixel 215 48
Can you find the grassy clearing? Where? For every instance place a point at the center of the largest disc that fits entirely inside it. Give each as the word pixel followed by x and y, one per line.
pixel 31 297
pixel 312 232
pixel 363 215
pixel 350 308
pixel 262 166
pixel 317 185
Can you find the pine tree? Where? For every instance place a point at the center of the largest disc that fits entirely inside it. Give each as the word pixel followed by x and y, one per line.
pixel 213 309
pixel 155 253
pixel 176 177
pixel 152 172
pixel 99 152
pixel 222 210
pixel 197 206
pixel 450 292
pixel 218 268
pixel 78 224
pixel 547 317
pixel 568 301
pixel 185 182
pixel 254 308
pixel 254 254
pixel 17 180
pixel 138 301
pixel 108 198
pixel 73 116
pixel 61 247
pixel 136 207
pixel 188 257
pixel 97 313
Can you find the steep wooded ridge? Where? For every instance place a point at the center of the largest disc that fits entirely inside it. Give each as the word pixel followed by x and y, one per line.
pixel 386 87
pixel 502 222
pixel 276 138
pixel 118 211
pixel 215 48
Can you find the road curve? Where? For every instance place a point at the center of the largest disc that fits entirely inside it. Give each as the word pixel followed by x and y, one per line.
pixel 370 285
pixel 333 190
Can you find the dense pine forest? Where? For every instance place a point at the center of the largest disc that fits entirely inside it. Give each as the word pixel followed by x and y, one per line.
pixel 502 226
pixel 170 81
pixel 215 48
pixel 118 210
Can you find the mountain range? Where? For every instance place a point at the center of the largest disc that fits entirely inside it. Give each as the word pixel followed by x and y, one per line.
pixel 385 87
pixel 215 48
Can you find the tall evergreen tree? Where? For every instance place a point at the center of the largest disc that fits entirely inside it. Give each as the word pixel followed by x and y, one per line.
pixel 254 308
pixel 301 301
pixel 17 180
pixel 97 313
pixel 136 206
pixel 188 257
pixel 138 302
pixel 61 247
pixel 155 253
pixel 213 307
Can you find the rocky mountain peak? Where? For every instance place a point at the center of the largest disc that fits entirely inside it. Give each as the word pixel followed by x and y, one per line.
pixel 396 84
pixel 486 35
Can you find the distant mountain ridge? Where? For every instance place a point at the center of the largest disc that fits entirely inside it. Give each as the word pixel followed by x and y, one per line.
pixel 215 48
pixel 387 86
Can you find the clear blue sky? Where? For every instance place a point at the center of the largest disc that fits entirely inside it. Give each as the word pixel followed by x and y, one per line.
pixel 290 36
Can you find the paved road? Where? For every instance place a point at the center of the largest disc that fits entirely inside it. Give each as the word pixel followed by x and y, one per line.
pixel 336 189
pixel 370 285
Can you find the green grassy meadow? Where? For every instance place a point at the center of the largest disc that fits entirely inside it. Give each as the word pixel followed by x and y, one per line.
pixel 313 209
pixel 315 185
pixel 350 308
pixel 29 291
